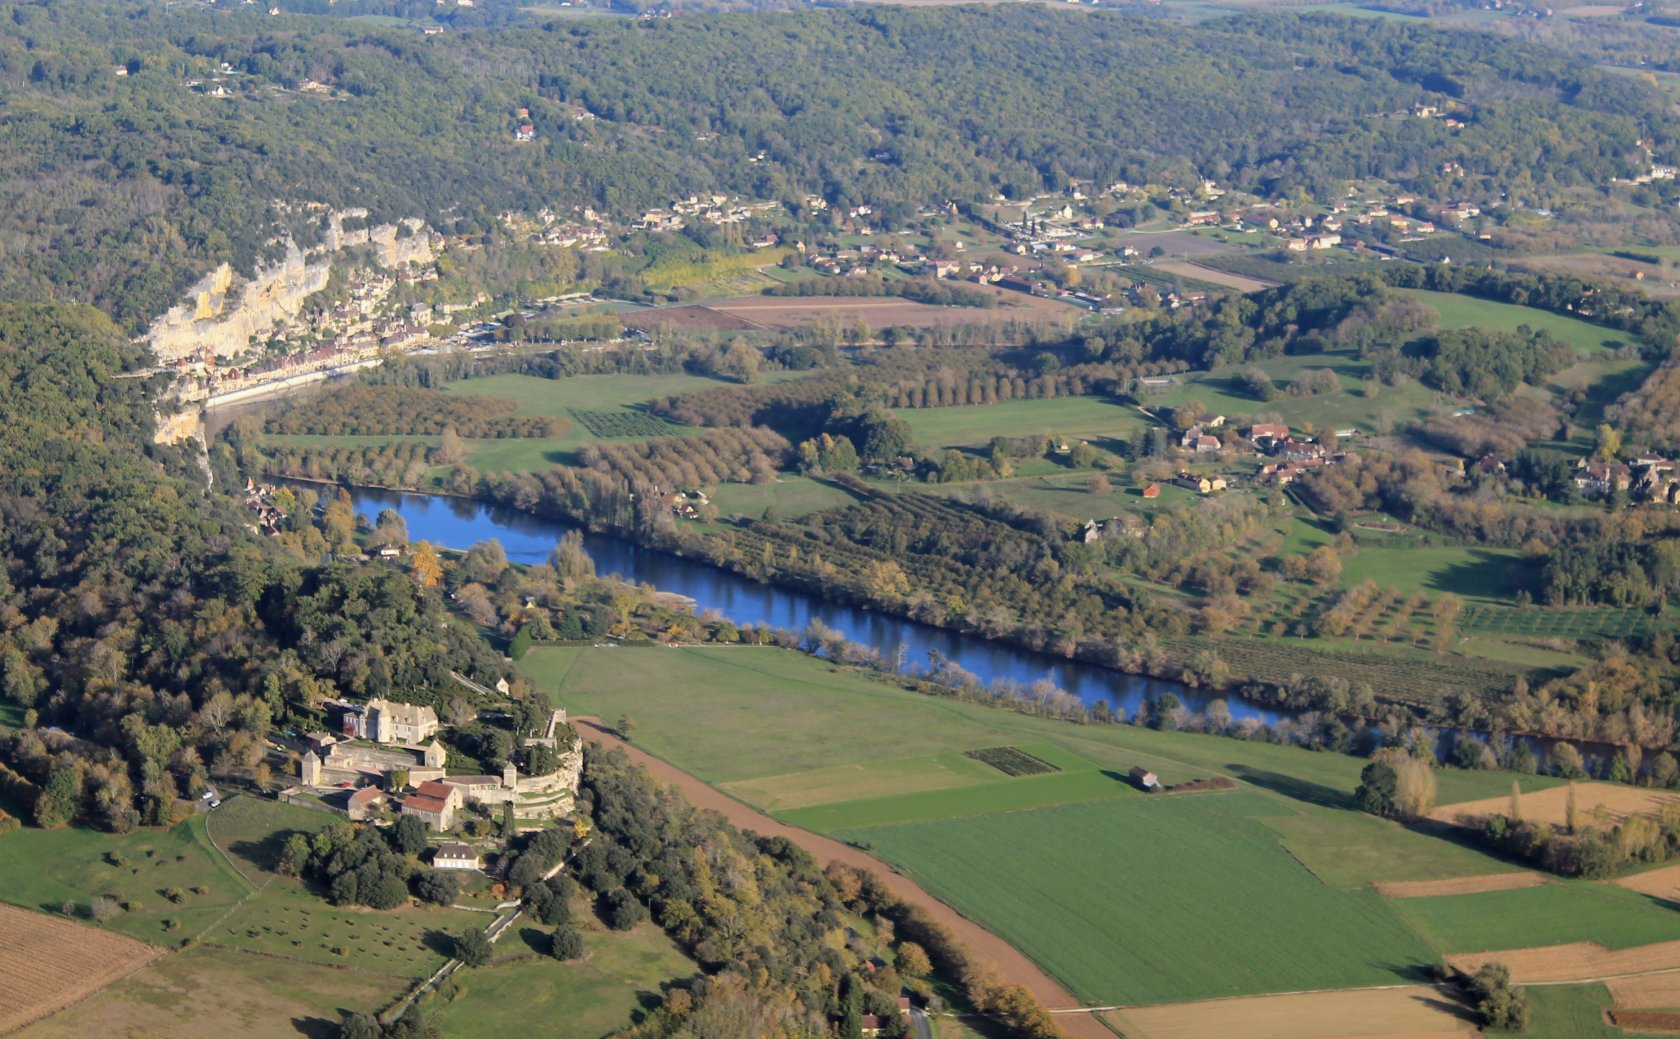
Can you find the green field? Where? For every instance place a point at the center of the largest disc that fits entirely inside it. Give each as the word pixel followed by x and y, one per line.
pixel 525 992
pixel 1088 418
pixel 1157 899
pixel 1469 312
pixel 1474 573
pixel 1357 405
pixel 252 831
pixel 793 496
pixel 1065 493
pixel 599 396
pixel 45 868
pixel 1554 914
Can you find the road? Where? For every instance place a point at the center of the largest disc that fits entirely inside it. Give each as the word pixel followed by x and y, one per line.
pixel 919 1023
pixel 1012 965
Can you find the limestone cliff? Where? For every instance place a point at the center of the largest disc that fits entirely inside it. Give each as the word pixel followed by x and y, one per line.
pixel 225 311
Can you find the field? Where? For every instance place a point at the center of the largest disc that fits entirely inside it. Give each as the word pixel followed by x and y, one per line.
pixel 1559 913
pixel 1662 882
pixel 878 312
pixel 49 963
pixel 792 497
pixel 1197 272
pixel 1647 991
pixel 1156 899
pixel 599 407
pixel 1474 573
pixel 1458 885
pixel 1551 806
pixel 136 869
pixel 1469 312
pixel 283 918
pixel 1087 418
pixel 213 993
pixel 527 993
pixel 1577 961
pixel 1415 1011
pixel 1657 283
pixel 1357 405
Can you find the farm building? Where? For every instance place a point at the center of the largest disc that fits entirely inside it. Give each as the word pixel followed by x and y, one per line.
pixel 1152 491
pixel 1144 778
pixel 362 803
pixel 434 803
pixel 456 855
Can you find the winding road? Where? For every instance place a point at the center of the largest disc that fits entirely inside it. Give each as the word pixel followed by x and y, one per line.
pixel 1011 964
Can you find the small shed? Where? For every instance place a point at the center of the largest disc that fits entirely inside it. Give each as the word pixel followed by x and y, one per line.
pixel 1152 491
pixel 1145 779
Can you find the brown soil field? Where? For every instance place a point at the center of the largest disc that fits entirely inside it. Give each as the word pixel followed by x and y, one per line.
pixel 1551 805
pixel 1208 274
pixel 796 312
pixel 688 319
pixel 1416 1011
pixel 1594 10
pixel 216 993
pixel 1457 885
pixel 1645 1020
pixel 1011 964
pixel 1647 992
pixel 1654 284
pixel 1659 883
pixel 1577 961
pixel 48 963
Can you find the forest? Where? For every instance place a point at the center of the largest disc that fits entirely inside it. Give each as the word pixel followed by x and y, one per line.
pixel 121 191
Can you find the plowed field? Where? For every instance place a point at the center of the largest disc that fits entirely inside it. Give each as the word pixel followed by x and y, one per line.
pixel 1415 1011
pixel 1458 885
pixel 1551 805
pixel 1577 961
pixel 47 963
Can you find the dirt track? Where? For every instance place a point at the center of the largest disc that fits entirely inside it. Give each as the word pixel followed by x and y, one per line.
pixel 1011 964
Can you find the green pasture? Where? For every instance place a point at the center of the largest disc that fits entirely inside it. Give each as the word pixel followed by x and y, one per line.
pixel 525 992
pixel 1086 418
pixel 1005 795
pixel 1459 311
pixel 1476 574
pixel 1358 404
pixel 46 868
pixel 287 919
pixel 1570 1012
pixel 1156 899
pixel 1065 493
pixel 1552 914
pixel 792 496
pixel 253 831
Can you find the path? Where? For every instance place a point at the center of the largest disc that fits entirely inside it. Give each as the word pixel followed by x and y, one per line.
pixel 1012 965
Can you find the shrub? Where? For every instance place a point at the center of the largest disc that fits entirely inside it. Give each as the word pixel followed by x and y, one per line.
pixel 567 943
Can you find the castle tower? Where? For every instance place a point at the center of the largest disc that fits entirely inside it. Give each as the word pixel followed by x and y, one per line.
pixel 309 769
pixel 510 777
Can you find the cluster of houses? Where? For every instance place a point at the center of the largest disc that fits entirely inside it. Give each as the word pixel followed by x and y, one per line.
pixel 1647 478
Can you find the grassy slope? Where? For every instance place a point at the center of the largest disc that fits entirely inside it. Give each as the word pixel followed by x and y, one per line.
pixel 525 992
pixel 1576 911
pixel 1469 312
pixel 44 868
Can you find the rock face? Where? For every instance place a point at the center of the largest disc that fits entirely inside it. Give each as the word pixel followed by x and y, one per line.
pixel 225 311
pixel 187 424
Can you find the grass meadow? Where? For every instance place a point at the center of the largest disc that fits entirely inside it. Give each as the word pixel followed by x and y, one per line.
pixel 526 992
pixel 1088 418
pixel 1459 311
pixel 1156 900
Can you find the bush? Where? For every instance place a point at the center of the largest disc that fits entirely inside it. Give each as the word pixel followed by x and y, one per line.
pixel 437 886
pixel 567 943
pixel 624 911
pixel 472 948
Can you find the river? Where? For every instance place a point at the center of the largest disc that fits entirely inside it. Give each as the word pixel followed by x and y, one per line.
pixel 458 523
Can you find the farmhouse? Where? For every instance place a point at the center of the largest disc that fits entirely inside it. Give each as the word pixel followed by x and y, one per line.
pixel 362 803
pixel 456 855
pixel 1200 484
pixel 434 803
pixel 1144 778
pixel 1267 432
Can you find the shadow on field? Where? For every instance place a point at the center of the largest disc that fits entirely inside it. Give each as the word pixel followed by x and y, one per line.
pixel 440 942
pixel 1291 787
pixel 316 1027
pixel 536 940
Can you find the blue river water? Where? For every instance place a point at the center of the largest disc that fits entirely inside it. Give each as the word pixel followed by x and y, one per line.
pixel 459 523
